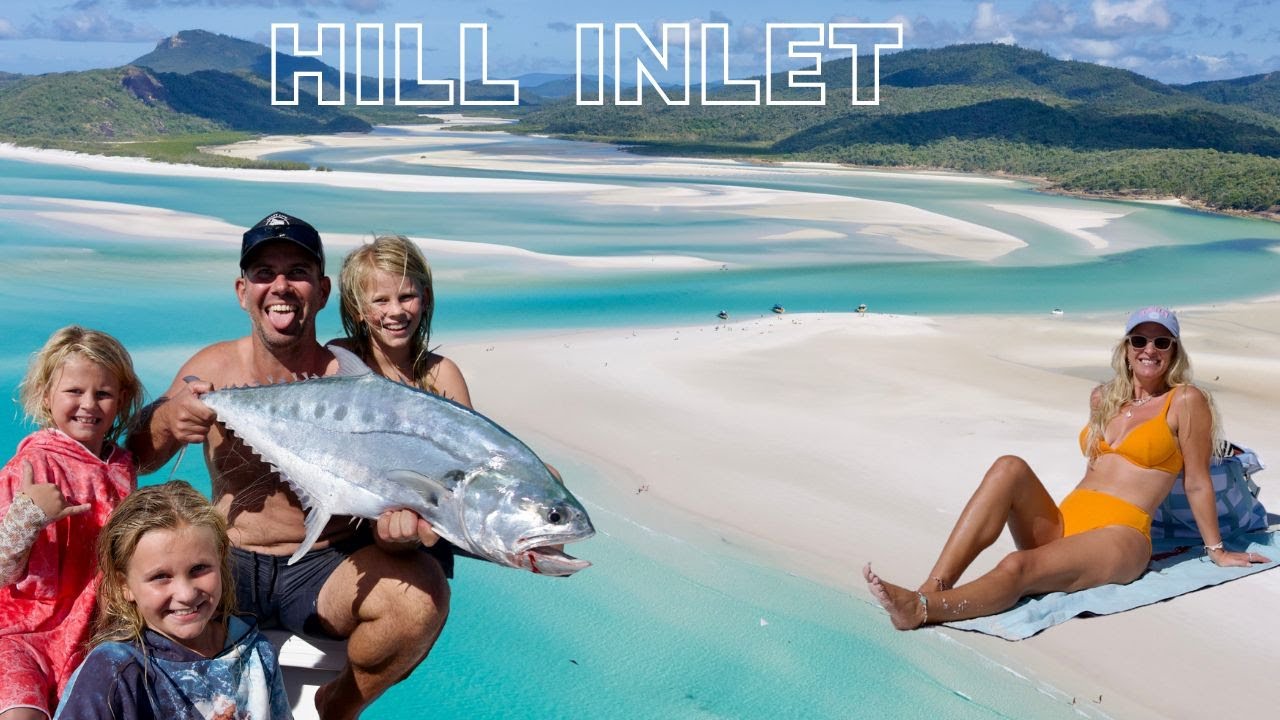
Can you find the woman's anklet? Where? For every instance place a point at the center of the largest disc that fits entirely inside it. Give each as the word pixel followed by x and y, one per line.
pixel 924 605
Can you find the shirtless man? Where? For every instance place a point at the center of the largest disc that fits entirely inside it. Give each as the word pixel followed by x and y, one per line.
pixel 376 588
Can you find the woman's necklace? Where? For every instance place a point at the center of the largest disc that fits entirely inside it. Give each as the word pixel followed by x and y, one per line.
pixel 1137 403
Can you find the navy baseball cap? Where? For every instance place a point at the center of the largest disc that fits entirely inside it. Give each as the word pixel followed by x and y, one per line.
pixel 282 226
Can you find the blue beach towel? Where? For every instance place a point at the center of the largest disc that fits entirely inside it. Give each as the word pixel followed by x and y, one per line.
pixel 1176 569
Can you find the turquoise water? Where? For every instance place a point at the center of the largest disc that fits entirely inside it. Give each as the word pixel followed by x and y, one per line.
pixel 656 628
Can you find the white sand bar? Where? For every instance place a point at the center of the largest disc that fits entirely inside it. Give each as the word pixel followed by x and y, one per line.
pixel 818 442
pixel 392 182
pixel 141 221
pixel 909 226
pixel 1073 221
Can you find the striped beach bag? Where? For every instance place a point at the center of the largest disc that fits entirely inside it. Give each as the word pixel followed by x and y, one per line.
pixel 1239 510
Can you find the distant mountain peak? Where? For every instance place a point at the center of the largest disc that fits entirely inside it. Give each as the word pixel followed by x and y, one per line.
pixel 193 50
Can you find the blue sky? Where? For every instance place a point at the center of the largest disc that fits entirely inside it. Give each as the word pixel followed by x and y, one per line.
pixel 1169 40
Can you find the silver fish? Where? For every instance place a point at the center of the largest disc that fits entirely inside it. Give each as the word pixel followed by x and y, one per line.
pixel 359 444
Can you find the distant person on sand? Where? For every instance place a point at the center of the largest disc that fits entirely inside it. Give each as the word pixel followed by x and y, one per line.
pixel 1146 425
pixel 377 588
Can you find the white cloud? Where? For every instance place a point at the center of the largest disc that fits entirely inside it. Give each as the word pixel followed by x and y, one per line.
pixel 7 30
pixel 990 26
pixel 1095 49
pixel 86 25
pixel 1214 65
pixel 1127 15
pixel 1047 18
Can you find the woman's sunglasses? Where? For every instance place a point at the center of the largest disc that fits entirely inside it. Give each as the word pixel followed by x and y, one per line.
pixel 1137 342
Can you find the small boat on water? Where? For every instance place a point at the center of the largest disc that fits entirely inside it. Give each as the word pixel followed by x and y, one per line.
pixel 779 309
pixel 723 314
pixel 1056 311
pixel 862 308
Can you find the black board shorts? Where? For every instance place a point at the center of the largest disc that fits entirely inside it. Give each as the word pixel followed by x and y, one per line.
pixel 284 596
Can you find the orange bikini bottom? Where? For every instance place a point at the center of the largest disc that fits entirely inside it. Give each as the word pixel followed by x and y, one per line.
pixel 1085 510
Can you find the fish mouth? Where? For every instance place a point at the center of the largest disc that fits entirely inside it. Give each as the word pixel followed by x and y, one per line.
pixel 547 560
pixel 537 555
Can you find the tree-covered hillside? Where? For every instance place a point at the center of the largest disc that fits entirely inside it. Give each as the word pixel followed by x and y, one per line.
pixel 984 108
pixel 193 50
pixel 132 102
pixel 1260 92
pixel 115 104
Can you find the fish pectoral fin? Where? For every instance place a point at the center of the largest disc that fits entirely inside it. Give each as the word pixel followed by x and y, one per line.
pixel 348 362
pixel 430 489
pixel 317 518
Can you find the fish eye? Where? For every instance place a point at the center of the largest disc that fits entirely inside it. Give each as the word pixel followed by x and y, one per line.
pixel 556 515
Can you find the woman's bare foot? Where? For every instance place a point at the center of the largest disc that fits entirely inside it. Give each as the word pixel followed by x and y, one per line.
pixel 906 609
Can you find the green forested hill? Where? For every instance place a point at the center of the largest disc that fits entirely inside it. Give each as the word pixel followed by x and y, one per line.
pixel 1028 121
pixel 1260 92
pixel 8 78
pixel 1029 72
pixel 986 108
pixel 132 103
pixel 193 50
pixel 239 102
pixel 115 104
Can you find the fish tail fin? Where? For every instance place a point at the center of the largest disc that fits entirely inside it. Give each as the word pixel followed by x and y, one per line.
pixel 317 518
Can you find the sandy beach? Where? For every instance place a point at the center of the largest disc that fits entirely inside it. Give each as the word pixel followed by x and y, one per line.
pixel 815 443
pixel 819 442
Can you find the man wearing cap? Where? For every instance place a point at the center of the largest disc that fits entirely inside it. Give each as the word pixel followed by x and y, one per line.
pixel 374 587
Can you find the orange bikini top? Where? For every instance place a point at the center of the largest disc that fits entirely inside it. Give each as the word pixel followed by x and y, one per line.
pixel 1150 445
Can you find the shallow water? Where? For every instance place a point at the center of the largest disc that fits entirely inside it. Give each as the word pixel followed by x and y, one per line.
pixel 659 627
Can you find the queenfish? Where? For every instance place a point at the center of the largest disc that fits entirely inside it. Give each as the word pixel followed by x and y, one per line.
pixel 358 444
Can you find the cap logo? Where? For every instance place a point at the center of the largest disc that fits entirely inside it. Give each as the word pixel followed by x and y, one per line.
pixel 276 219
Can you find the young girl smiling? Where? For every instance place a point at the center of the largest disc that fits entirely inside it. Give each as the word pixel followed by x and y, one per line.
pixel 55 495
pixel 168 644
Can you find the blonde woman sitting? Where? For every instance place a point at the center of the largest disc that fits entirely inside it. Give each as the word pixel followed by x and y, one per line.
pixel 1146 425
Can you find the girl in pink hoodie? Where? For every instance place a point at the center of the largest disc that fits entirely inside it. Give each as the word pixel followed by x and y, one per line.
pixel 55 496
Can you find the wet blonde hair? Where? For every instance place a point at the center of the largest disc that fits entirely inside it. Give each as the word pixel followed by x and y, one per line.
pixel 95 346
pixel 170 506
pixel 1114 394
pixel 398 255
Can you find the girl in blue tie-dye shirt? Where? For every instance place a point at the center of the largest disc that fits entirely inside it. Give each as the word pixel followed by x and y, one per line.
pixel 167 644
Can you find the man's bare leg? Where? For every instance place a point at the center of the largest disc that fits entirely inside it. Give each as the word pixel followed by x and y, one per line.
pixel 391 608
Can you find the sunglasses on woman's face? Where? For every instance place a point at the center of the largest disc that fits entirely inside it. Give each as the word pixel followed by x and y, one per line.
pixel 1137 342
